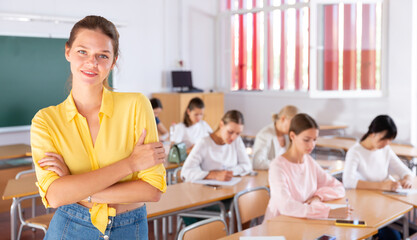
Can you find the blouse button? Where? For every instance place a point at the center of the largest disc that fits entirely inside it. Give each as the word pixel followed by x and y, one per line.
pixel 106 237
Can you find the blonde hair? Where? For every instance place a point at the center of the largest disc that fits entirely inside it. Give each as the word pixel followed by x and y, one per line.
pixel 287 111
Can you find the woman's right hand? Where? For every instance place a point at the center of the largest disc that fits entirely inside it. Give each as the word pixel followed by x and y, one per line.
pixel 145 156
pixel 340 213
pixel 389 185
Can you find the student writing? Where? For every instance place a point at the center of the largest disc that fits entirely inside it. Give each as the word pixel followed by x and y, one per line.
pixel 299 186
pixel 272 140
pixel 221 155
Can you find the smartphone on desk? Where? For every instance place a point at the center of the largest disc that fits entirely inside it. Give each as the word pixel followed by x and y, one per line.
pixel 350 223
pixel 326 237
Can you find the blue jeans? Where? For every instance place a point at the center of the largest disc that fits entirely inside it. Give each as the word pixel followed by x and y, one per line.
pixel 73 222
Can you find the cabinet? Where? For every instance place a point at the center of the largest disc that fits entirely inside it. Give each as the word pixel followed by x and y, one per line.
pixel 174 105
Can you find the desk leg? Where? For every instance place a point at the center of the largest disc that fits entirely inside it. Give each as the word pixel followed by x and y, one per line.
pixel 170 224
pixel 155 229
pixel 164 228
pixel 13 219
pixel 405 225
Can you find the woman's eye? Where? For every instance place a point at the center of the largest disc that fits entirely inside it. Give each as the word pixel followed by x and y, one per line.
pixel 104 56
pixel 82 51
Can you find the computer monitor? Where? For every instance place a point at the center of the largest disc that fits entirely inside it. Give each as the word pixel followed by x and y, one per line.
pixel 182 79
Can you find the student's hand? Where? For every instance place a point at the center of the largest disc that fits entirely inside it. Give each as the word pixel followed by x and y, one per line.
pixel 390 185
pixel 406 182
pixel 54 162
pixel 340 213
pixel 312 200
pixel 220 175
pixel 145 156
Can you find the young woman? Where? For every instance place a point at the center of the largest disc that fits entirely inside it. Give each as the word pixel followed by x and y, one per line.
pixel 299 186
pixel 370 162
pixel 97 155
pixel 272 140
pixel 194 127
pixel 157 109
pixel 221 155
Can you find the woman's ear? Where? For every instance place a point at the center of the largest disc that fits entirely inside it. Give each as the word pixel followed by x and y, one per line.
pixel 292 135
pixel 67 51
pixel 221 124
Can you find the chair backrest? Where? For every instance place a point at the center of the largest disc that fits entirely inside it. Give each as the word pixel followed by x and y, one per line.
pixel 177 175
pixel 250 204
pixel 209 229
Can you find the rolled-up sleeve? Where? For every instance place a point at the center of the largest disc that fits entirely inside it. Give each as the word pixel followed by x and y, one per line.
pixel 156 175
pixel 42 143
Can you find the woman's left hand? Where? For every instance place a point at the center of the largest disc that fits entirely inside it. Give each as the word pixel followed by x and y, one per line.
pixel 406 182
pixel 312 199
pixel 54 162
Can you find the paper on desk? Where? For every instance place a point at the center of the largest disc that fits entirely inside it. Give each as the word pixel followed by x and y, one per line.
pixel 262 238
pixel 402 191
pixel 221 183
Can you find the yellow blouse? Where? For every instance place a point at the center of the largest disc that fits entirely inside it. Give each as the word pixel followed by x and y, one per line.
pixel 62 130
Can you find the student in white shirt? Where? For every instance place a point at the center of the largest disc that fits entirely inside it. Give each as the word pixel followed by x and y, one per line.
pixel 193 127
pixel 370 162
pixel 273 140
pixel 221 155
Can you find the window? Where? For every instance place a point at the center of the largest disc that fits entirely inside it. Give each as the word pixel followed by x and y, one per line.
pixel 270 41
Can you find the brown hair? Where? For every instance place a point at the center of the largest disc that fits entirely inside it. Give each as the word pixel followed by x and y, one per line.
pixel 289 111
pixel 301 122
pixel 194 103
pixel 233 116
pixel 97 23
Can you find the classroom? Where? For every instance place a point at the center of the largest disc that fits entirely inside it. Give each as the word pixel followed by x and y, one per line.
pixel 341 62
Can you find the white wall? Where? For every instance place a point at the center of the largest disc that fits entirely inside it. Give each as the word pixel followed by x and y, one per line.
pixel 161 32
pixel 399 101
pixel 153 41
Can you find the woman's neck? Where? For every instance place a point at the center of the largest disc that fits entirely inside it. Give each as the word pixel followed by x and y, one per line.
pixel 367 144
pixel 217 138
pixel 278 129
pixel 293 155
pixel 87 99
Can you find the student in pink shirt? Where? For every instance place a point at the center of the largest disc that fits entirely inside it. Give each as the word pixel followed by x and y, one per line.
pixel 299 186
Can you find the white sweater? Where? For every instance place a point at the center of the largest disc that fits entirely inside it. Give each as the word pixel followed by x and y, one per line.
pixel 266 147
pixel 190 135
pixel 206 156
pixel 373 166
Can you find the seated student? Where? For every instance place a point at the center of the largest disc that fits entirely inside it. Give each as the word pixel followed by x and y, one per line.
pixel 370 162
pixel 221 155
pixel 272 140
pixel 194 127
pixel 157 109
pixel 298 184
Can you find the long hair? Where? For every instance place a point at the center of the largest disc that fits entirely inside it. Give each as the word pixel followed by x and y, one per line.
pixel 302 122
pixel 382 123
pixel 194 103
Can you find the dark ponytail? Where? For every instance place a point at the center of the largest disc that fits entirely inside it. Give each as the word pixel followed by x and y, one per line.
pixel 382 123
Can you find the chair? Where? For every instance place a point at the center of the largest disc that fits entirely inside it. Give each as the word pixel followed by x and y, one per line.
pixel 250 204
pixel 209 229
pixel 40 222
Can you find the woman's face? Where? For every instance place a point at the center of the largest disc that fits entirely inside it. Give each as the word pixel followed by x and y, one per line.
pixel 91 57
pixel 305 141
pixel 157 111
pixel 229 132
pixel 196 115
pixel 377 140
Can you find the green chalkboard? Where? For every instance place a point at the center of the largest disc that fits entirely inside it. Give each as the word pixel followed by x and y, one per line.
pixel 33 75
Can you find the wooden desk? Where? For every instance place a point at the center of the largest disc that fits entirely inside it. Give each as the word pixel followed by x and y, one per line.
pixel 409 199
pixel 344 144
pixel 377 210
pixel 186 195
pixel 15 151
pixel 332 127
pixel 303 231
